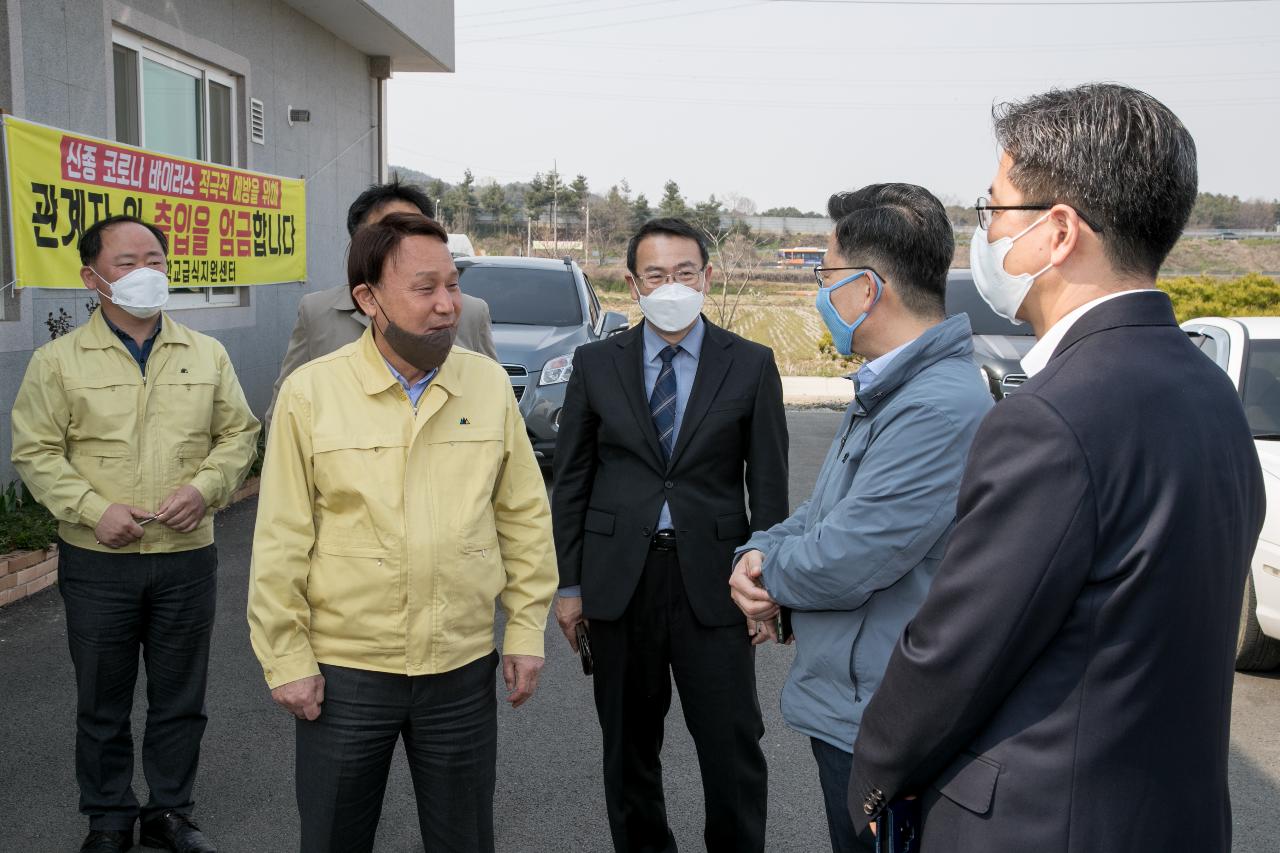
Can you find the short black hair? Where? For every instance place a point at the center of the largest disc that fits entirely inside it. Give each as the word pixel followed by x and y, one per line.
pixel 671 226
pixel 90 244
pixel 374 244
pixel 379 194
pixel 1116 155
pixel 902 231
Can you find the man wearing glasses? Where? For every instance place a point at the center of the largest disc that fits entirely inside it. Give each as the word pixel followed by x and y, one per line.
pixel 1066 685
pixel 855 561
pixel 662 426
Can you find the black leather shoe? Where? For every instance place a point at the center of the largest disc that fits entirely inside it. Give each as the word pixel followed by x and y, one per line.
pixel 107 841
pixel 176 832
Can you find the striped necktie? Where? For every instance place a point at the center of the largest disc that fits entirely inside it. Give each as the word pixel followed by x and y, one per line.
pixel 662 403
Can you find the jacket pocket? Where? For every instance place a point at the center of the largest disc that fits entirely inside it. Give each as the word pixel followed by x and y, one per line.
pixel 103 406
pixel 733 405
pixel 598 521
pixel 185 400
pixel 107 465
pixel 188 456
pixel 354 590
pixel 479 544
pixel 970 782
pixel 349 469
pixel 732 526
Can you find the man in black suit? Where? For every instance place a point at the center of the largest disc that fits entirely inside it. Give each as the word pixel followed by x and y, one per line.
pixel 1066 686
pixel 662 426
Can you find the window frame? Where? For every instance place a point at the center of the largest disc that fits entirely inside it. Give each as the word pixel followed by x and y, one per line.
pixel 206 73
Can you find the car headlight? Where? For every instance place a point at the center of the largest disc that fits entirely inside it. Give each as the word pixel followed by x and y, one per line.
pixel 557 370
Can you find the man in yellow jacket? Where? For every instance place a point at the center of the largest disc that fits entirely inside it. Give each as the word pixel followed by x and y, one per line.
pixel 130 430
pixel 400 499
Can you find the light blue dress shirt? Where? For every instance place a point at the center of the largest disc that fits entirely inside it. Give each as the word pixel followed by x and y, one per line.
pixel 685 365
pixel 872 370
pixel 415 390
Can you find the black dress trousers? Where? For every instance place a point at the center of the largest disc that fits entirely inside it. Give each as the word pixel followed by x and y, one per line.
pixel 714 668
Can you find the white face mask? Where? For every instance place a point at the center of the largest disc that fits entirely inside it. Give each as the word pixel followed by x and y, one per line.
pixel 672 307
pixel 1002 290
pixel 141 292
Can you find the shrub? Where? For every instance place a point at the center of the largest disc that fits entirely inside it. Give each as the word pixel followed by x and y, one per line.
pixel 24 524
pixel 1250 295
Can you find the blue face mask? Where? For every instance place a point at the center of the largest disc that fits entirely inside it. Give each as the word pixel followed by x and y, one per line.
pixel 842 332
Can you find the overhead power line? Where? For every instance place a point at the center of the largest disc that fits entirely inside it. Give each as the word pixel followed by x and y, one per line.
pixel 510 9
pixel 538 19
pixel 1023 3
pixel 615 23
pixel 926 50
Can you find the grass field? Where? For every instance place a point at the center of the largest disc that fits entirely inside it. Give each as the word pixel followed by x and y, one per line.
pixel 777 310
pixel 781 315
pixel 783 321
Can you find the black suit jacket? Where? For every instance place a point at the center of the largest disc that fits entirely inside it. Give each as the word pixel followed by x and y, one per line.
pixel 1066 685
pixel 610 480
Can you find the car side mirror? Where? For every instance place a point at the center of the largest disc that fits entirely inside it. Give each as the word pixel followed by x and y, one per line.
pixel 614 322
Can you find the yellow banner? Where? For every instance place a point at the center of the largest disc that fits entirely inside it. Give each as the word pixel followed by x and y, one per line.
pixel 225 226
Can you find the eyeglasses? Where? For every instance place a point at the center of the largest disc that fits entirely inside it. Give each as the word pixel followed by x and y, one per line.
pixel 686 276
pixel 984 208
pixel 822 282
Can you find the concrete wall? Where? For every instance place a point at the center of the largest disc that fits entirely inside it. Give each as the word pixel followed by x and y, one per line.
pixel 55 69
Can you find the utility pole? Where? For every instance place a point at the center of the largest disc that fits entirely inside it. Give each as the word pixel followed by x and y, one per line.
pixel 586 234
pixel 528 240
pixel 555 204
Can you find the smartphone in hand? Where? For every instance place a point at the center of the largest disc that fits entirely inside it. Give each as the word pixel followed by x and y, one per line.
pixel 584 647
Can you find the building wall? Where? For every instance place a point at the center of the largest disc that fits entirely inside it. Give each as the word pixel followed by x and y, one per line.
pixel 55 69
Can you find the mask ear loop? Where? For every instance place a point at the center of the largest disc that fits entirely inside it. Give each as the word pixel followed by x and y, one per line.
pixel 112 297
pixel 1027 230
pixel 385 315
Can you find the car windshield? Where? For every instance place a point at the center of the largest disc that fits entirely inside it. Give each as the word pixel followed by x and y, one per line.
pixel 1262 387
pixel 523 296
pixel 962 296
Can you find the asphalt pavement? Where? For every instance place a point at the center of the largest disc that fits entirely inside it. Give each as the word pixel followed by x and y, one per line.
pixel 549 793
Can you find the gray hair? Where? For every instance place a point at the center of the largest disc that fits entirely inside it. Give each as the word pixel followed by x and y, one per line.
pixel 1115 154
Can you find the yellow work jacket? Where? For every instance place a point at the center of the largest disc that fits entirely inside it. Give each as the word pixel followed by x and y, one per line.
pixel 90 430
pixel 386 534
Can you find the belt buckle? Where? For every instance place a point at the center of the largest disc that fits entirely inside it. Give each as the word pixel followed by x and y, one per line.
pixel 664 540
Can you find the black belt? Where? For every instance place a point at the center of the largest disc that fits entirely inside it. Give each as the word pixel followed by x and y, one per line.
pixel 663 540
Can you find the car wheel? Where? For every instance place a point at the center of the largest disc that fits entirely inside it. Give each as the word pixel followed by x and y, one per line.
pixel 1255 651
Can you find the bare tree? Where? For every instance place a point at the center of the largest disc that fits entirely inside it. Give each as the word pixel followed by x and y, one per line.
pixel 736 257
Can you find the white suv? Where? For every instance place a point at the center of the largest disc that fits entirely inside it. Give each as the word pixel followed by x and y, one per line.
pixel 1248 349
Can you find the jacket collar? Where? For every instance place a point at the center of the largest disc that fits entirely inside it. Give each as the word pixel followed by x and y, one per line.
pixel 1145 308
pixel 375 376
pixel 951 338
pixel 98 335
pixel 343 302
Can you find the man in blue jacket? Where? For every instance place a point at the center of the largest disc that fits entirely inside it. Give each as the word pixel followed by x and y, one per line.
pixel 854 563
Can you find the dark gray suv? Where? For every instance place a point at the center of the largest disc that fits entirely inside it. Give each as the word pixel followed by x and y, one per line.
pixel 998 345
pixel 542 310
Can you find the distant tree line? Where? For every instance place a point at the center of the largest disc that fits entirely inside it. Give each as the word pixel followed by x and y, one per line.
pixel 1229 211
pixel 548 204
pixel 552 204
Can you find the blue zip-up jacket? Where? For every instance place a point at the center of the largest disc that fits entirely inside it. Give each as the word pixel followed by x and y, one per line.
pixel 855 561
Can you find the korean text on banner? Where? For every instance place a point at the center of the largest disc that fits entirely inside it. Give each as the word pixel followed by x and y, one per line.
pixel 225 226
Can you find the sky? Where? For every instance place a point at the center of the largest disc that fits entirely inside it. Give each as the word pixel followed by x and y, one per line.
pixel 786 101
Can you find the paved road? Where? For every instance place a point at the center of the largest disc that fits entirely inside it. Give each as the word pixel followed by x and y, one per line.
pixel 549 752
